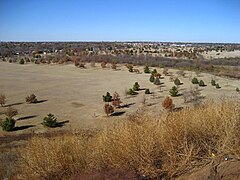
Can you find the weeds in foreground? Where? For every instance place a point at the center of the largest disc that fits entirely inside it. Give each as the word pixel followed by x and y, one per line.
pixel 152 147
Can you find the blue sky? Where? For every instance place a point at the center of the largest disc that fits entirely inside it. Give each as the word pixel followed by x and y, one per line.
pixel 120 20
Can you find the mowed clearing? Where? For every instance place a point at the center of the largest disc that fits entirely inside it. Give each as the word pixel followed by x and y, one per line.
pixel 75 95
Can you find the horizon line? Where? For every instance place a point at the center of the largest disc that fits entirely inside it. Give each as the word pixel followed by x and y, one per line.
pixel 119 41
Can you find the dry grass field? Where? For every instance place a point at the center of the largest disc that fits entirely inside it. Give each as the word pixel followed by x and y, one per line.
pixel 141 138
pixel 75 95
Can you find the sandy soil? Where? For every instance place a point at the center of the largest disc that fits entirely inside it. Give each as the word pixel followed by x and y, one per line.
pixel 75 94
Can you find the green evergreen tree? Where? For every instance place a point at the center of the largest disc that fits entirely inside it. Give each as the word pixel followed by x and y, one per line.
pixel 174 91
pixel 152 78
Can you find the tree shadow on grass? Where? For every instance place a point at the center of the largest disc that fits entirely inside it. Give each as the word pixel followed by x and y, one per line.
pixel 127 105
pixel 118 113
pixel 61 124
pixel 41 101
pixel 19 128
pixel 177 109
pixel 151 104
pixel 26 117
pixel 14 104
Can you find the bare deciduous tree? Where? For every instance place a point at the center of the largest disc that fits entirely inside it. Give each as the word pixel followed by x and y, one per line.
pixel 10 112
pixel 2 99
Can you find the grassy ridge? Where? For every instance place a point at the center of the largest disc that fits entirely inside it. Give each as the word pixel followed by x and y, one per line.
pixel 149 146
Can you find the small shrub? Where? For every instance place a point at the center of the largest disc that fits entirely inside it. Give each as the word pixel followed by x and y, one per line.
pixel 147 91
pixel 76 63
pixel 213 82
pixel 104 64
pixel 161 66
pixel 136 86
pixel 201 83
pixel 131 92
pixel 130 67
pixel 21 61
pixel 36 61
pixel 154 72
pixel 177 82
pixel 8 124
pixel 217 86
pixel 11 112
pixel 181 73
pixel 191 94
pixel 31 99
pixel 151 79
pixel 107 98
pixel 114 66
pixel 108 109
pixel 82 65
pixel 146 69
pixel 165 71
pixel 116 102
pixel 168 103
pixel 237 89
pixel 171 78
pixel 136 71
pixel 157 81
pixel 158 75
pixel 2 99
pixel 49 121
pixel 195 81
pixel 174 91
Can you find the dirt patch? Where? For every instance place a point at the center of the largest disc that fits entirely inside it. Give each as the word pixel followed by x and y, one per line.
pixel 226 170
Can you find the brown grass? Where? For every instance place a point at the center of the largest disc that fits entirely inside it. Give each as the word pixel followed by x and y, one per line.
pixel 150 146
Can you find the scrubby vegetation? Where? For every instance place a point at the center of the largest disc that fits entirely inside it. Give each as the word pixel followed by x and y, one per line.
pixel 130 67
pixel 31 99
pixel 131 92
pixel 107 98
pixel 21 61
pixel 177 82
pixel 168 103
pixel 147 91
pixel 152 78
pixel 8 124
pixel 11 112
pixel 2 99
pixel 154 72
pixel 159 147
pixel 237 90
pixel 217 86
pixel 104 64
pixel 49 121
pixel 201 83
pixel 146 69
pixel 116 102
pixel 108 109
pixel 195 81
pixel 213 82
pixel 157 81
pixel 136 86
pixel 174 91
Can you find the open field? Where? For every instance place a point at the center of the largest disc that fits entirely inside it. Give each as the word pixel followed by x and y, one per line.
pixel 224 54
pixel 75 95
pixel 135 138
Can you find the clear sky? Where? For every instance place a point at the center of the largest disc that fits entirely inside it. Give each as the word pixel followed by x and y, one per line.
pixel 120 20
